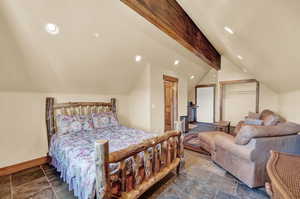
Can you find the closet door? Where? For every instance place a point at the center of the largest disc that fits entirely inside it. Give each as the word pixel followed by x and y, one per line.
pixel 239 99
pixel 205 98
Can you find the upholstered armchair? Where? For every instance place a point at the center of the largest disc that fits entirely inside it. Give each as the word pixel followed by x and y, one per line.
pixel 245 153
pixel 248 162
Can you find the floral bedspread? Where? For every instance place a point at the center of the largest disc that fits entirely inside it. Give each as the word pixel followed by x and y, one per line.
pixel 73 154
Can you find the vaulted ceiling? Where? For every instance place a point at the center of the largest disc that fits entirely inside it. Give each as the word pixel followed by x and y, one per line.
pixel 98 40
pixel 266 36
pixel 94 51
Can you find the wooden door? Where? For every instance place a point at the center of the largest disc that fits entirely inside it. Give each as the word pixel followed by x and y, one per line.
pixel 170 90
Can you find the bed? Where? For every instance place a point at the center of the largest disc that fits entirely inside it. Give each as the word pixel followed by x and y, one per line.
pixel 111 161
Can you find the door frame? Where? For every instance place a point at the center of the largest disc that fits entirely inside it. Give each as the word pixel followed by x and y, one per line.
pixel 205 86
pixel 243 81
pixel 174 80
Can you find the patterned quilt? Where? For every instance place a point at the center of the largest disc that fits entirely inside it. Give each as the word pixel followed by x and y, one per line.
pixel 73 154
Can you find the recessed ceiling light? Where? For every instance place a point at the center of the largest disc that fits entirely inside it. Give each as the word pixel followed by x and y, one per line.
pixel 228 30
pixel 52 28
pixel 176 62
pixel 192 77
pixel 240 57
pixel 96 35
pixel 138 58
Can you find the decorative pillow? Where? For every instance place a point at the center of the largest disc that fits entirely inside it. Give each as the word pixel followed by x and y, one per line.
pixel 63 123
pixel 254 122
pixel 114 120
pixel 104 120
pixel 75 126
pixel 271 120
pixel 248 132
pixel 265 113
pixel 86 122
pixel 252 115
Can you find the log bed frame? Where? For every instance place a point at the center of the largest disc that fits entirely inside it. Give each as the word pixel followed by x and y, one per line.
pixel 158 162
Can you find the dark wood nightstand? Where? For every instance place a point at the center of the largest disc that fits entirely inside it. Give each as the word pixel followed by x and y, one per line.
pixel 223 126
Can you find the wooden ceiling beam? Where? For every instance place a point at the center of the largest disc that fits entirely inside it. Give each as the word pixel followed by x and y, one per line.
pixel 169 17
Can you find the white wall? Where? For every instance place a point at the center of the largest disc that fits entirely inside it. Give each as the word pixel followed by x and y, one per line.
pixel 269 99
pixel 157 96
pixel 211 77
pixel 23 134
pixel 290 105
pixel 239 99
pixel 23 130
pixel 140 102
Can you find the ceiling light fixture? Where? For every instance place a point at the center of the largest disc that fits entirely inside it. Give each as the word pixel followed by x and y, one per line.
pixel 96 35
pixel 176 62
pixel 228 30
pixel 192 77
pixel 138 58
pixel 240 57
pixel 52 29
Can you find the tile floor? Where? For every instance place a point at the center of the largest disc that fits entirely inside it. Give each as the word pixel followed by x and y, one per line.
pixel 201 179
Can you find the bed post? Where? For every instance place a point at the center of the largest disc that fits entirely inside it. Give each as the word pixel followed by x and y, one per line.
pixel 179 127
pixel 113 105
pixel 49 119
pixel 102 169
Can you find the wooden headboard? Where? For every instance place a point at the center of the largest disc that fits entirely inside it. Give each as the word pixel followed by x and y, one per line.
pixel 73 108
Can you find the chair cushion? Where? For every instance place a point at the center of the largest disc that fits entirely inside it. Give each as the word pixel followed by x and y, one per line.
pixel 208 140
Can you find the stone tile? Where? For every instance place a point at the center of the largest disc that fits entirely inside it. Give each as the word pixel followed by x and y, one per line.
pixel 47 167
pixel 26 176
pixel 243 191
pixel 59 185
pixel 65 194
pixel 223 195
pixel 30 189
pixel 159 187
pixel 45 194
pixel 172 193
pixel 52 175
pixel 5 187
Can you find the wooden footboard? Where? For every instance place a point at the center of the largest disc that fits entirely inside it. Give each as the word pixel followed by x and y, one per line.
pixel 160 156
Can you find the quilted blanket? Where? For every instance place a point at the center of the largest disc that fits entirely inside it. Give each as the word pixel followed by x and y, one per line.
pixel 73 154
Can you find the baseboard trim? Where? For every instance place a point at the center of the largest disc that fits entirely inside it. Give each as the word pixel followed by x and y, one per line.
pixel 24 165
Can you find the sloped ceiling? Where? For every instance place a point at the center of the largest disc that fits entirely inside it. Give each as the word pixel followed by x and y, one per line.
pixel 266 35
pixel 76 60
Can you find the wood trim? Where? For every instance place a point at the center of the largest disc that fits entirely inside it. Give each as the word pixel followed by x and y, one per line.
pixel 204 86
pixel 49 119
pixel 73 108
pixel 257 96
pixel 170 17
pixel 137 192
pixel 24 165
pixel 175 80
pixel 243 81
pixel 118 156
pixel 76 104
pixel 170 78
